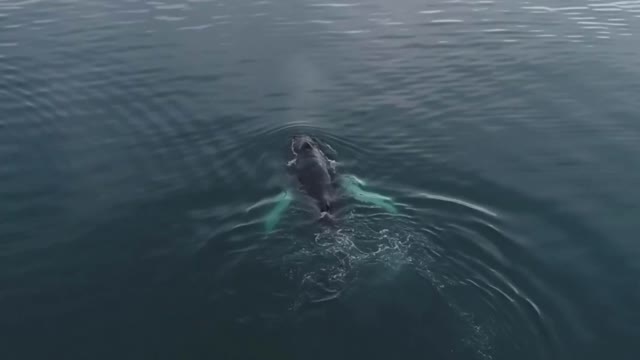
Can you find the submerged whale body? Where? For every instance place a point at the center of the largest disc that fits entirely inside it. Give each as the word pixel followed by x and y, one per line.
pixel 313 171
pixel 317 179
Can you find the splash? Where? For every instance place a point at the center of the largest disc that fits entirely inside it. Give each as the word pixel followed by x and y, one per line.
pixel 337 264
pixel 332 262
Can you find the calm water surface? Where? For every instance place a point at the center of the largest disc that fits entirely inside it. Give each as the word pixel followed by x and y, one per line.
pixel 139 141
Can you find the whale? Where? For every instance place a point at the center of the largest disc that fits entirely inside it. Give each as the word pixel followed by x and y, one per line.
pixel 314 177
pixel 314 171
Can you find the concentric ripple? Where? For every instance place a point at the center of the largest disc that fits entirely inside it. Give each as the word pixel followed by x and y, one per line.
pixel 141 143
pixel 485 264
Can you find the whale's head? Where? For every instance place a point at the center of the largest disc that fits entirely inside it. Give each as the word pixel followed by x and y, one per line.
pixel 301 144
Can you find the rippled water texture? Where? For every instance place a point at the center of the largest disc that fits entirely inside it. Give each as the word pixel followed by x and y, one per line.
pixel 141 141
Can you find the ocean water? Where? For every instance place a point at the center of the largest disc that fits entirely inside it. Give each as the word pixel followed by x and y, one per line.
pixel 141 141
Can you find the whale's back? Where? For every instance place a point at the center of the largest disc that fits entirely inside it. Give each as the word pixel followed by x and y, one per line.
pixel 313 175
pixel 312 171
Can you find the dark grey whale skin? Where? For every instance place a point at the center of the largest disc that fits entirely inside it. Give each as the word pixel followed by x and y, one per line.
pixel 313 171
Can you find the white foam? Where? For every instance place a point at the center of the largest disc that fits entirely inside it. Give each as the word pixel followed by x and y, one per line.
pixel 93 16
pixel 128 22
pixel 607 9
pixel 446 21
pixel 458 202
pixel 172 7
pixel 135 11
pixel 597 23
pixel 619 4
pixel 335 5
pixel 168 18
pixel 45 21
pixel 17 4
pixel 196 27
pixel 350 32
pixel 550 9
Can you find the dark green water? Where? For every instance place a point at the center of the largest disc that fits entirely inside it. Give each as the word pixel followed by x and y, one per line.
pixel 138 140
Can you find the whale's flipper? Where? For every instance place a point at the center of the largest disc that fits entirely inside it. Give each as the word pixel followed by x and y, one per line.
pixel 353 186
pixel 282 202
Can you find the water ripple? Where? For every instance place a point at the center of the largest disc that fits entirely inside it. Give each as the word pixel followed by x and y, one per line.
pixel 175 121
pixel 335 5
